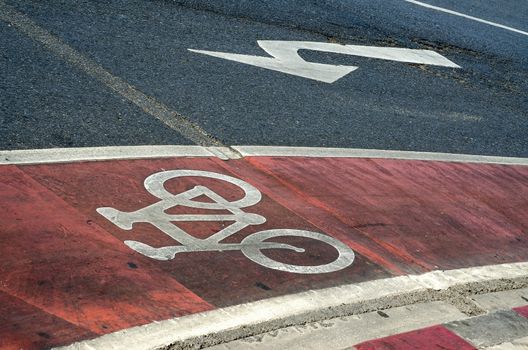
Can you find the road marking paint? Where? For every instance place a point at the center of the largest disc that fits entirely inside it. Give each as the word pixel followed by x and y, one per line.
pixel 251 246
pixel 285 58
pixel 234 322
pixel 283 151
pixel 66 155
pixel 419 3
pixel 148 104
pixel 224 153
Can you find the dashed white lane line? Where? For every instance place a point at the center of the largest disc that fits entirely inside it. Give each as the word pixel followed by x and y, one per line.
pixel 235 322
pixel 451 12
pixel 65 155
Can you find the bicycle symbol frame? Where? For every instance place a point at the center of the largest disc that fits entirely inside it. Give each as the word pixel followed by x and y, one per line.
pixel 251 246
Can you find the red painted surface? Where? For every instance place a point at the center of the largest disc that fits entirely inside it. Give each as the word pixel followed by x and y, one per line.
pixel 66 265
pixel 220 278
pixel 24 326
pixel 426 215
pixel 295 199
pixel 432 338
pixel 523 311
pixel 60 262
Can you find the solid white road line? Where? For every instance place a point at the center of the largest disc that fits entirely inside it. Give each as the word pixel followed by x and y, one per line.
pixel 279 151
pixel 451 12
pixel 220 325
pixel 65 155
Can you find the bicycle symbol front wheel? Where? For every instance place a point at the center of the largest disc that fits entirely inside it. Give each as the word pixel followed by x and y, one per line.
pixel 251 249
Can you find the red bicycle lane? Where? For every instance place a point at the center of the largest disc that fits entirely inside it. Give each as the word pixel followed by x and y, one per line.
pixel 65 262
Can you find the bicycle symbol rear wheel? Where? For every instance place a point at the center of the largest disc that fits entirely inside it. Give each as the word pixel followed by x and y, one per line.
pixel 250 248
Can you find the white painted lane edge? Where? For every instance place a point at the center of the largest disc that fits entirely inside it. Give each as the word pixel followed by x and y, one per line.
pixel 285 58
pixel 451 12
pixel 280 151
pixel 65 155
pixel 197 327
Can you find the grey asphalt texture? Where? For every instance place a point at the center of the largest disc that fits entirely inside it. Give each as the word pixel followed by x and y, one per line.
pixel 479 109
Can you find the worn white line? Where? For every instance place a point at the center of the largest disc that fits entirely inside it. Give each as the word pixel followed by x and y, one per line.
pixel 238 321
pixel 451 12
pixel 148 104
pixel 224 153
pixel 280 151
pixel 64 155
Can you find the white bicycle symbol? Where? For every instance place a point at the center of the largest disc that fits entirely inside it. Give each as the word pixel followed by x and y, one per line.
pixel 251 246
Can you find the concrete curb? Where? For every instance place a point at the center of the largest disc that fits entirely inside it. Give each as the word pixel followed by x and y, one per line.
pixel 222 325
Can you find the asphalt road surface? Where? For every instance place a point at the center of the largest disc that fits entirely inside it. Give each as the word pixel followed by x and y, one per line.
pixel 97 73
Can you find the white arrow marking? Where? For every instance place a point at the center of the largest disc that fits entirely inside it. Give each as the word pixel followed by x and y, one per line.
pixel 287 60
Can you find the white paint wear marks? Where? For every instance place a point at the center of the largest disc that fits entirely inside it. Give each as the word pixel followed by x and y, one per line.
pixel 286 58
pixel 251 246
pixel 451 12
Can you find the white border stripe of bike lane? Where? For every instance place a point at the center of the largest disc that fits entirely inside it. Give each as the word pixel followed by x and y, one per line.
pixel 226 324
pixel 278 151
pixel 65 155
